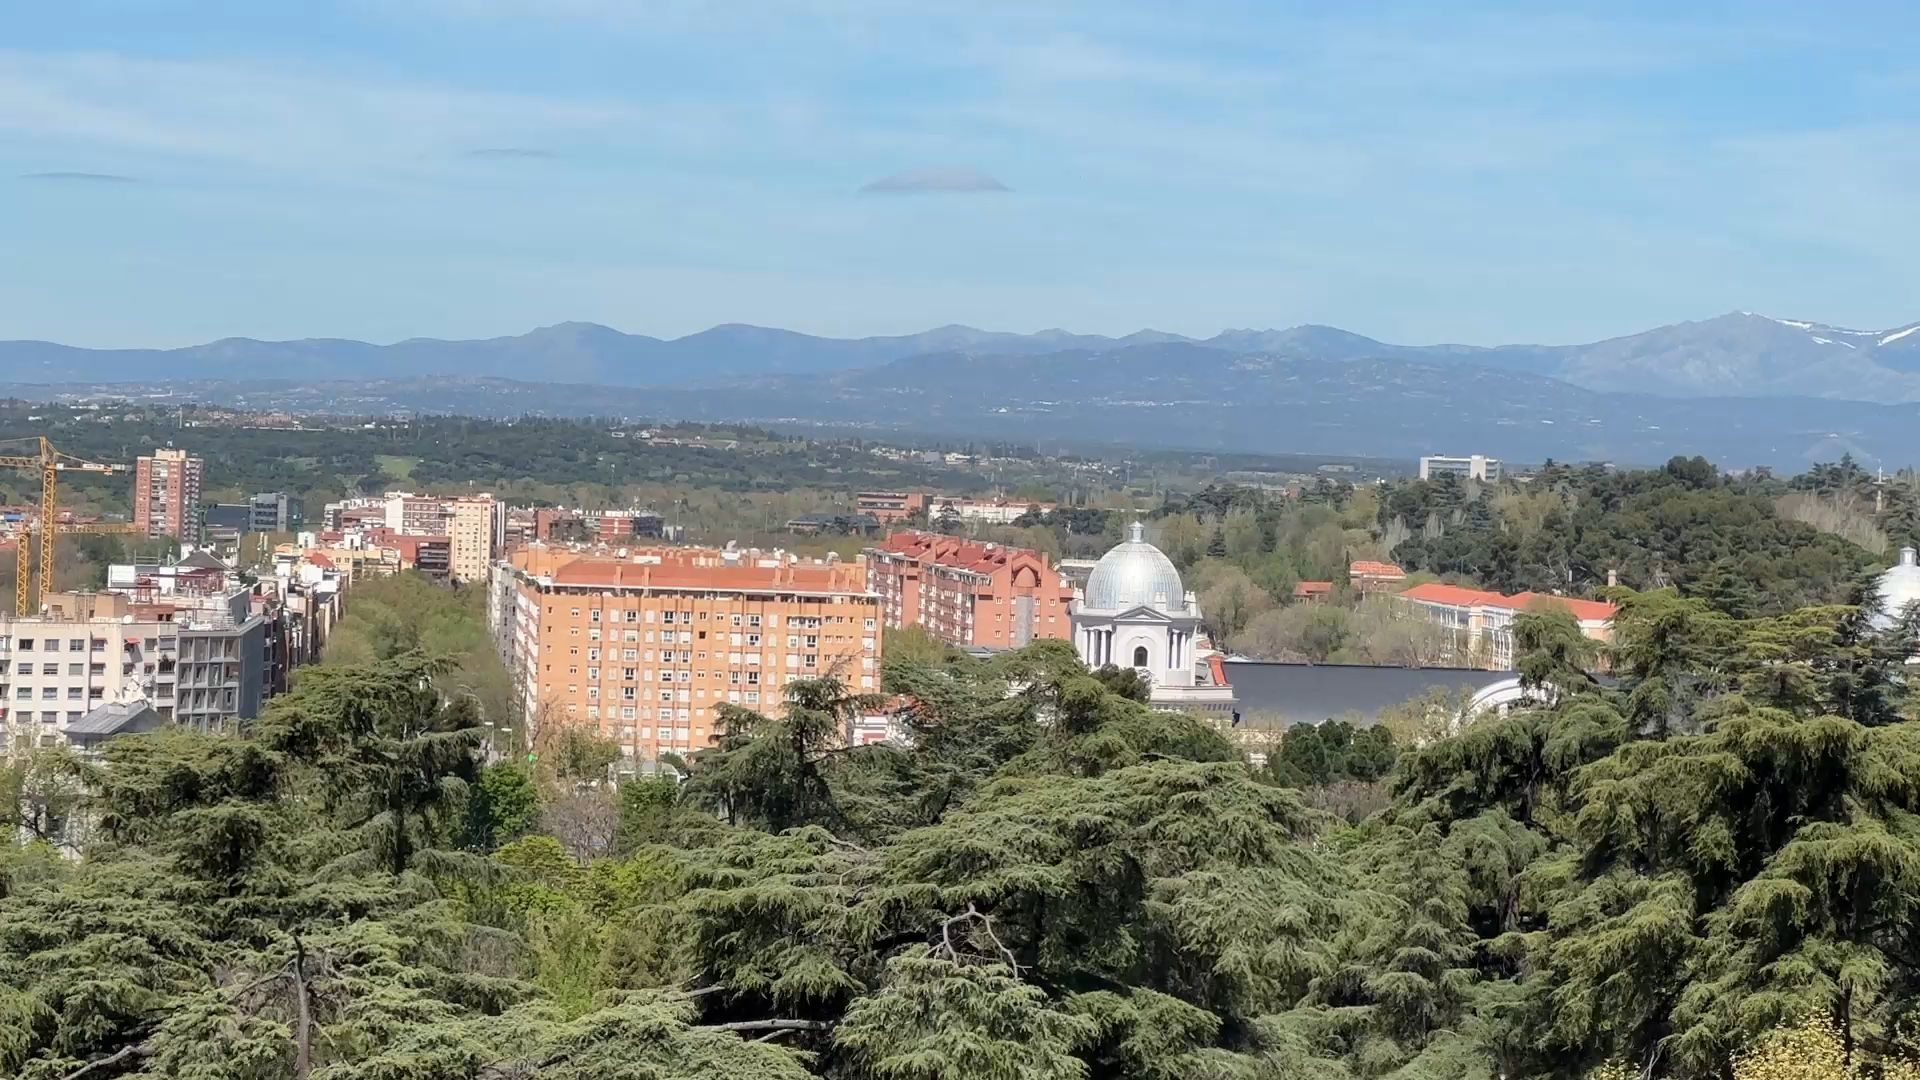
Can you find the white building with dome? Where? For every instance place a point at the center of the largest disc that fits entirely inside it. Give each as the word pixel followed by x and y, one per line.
pixel 1135 612
pixel 1898 589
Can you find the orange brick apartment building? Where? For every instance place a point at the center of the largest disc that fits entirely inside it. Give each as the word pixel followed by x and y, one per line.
pixel 647 648
pixel 968 593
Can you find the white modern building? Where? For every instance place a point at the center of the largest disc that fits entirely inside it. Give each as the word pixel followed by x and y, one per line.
pixel 1136 613
pixel 1472 467
pixel 1897 590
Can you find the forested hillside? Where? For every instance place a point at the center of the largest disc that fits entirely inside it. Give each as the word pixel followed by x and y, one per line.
pixel 1642 877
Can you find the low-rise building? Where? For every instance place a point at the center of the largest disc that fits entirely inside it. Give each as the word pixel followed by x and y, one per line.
pixel 1312 592
pixel 889 507
pixel 1481 622
pixel 1471 467
pixel 619 526
pixel 1367 576
pixel 984 511
pixel 965 592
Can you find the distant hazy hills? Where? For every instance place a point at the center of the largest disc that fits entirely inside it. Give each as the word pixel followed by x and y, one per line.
pixel 1171 394
pixel 1741 388
pixel 1735 355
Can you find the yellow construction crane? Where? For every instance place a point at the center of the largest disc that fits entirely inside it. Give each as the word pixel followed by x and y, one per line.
pixel 49 463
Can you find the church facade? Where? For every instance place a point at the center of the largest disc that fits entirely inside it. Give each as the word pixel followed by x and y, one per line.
pixel 1136 613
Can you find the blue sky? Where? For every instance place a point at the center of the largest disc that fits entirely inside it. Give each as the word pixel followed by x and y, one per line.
pixel 176 172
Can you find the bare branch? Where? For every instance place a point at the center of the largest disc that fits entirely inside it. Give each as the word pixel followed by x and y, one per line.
pixel 776 1024
pixel 120 1056
pixel 985 922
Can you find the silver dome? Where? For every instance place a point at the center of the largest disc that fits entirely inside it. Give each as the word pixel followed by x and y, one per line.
pixel 1899 588
pixel 1135 574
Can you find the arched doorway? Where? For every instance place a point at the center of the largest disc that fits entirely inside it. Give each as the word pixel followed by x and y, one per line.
pixel 1140 656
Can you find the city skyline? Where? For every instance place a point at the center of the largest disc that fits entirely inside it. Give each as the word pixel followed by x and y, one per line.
pixel 467 168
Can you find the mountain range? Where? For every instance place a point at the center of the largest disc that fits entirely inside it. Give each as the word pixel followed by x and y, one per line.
pixel 1175 395
pixel 1735 355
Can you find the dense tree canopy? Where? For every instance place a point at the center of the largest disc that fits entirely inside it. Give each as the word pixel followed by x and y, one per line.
pixel 1049 881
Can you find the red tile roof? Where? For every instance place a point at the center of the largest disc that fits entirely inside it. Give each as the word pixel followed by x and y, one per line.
pixel 980 558
pixel 1371 568
pixel 1457 596
pixel 1312 588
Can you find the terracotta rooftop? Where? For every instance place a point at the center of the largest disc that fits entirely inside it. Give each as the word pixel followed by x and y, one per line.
pixel 1459 596
pixel 953 551
pixel 1371 568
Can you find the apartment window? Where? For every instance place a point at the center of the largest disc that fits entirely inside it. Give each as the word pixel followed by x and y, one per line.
pixel 49 669
pixel 753 620
pixel 869 624
pixel 736 619
pixel 76 644
pixel 593 615
pixel 99 644
pixel 753 640
pixel 24 693
pixel 593 693
pixel 23 669
pixel 26 644
pixel 48 693
pixel 593 673
pixel 629 693
pixel 630 655
pixel 630 674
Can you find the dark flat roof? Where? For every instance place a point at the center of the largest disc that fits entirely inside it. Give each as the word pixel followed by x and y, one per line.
pixel 1286 694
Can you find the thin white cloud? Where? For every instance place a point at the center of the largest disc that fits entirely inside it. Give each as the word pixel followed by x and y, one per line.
pixel 81 177
pixel 935 180
pixel 277 118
